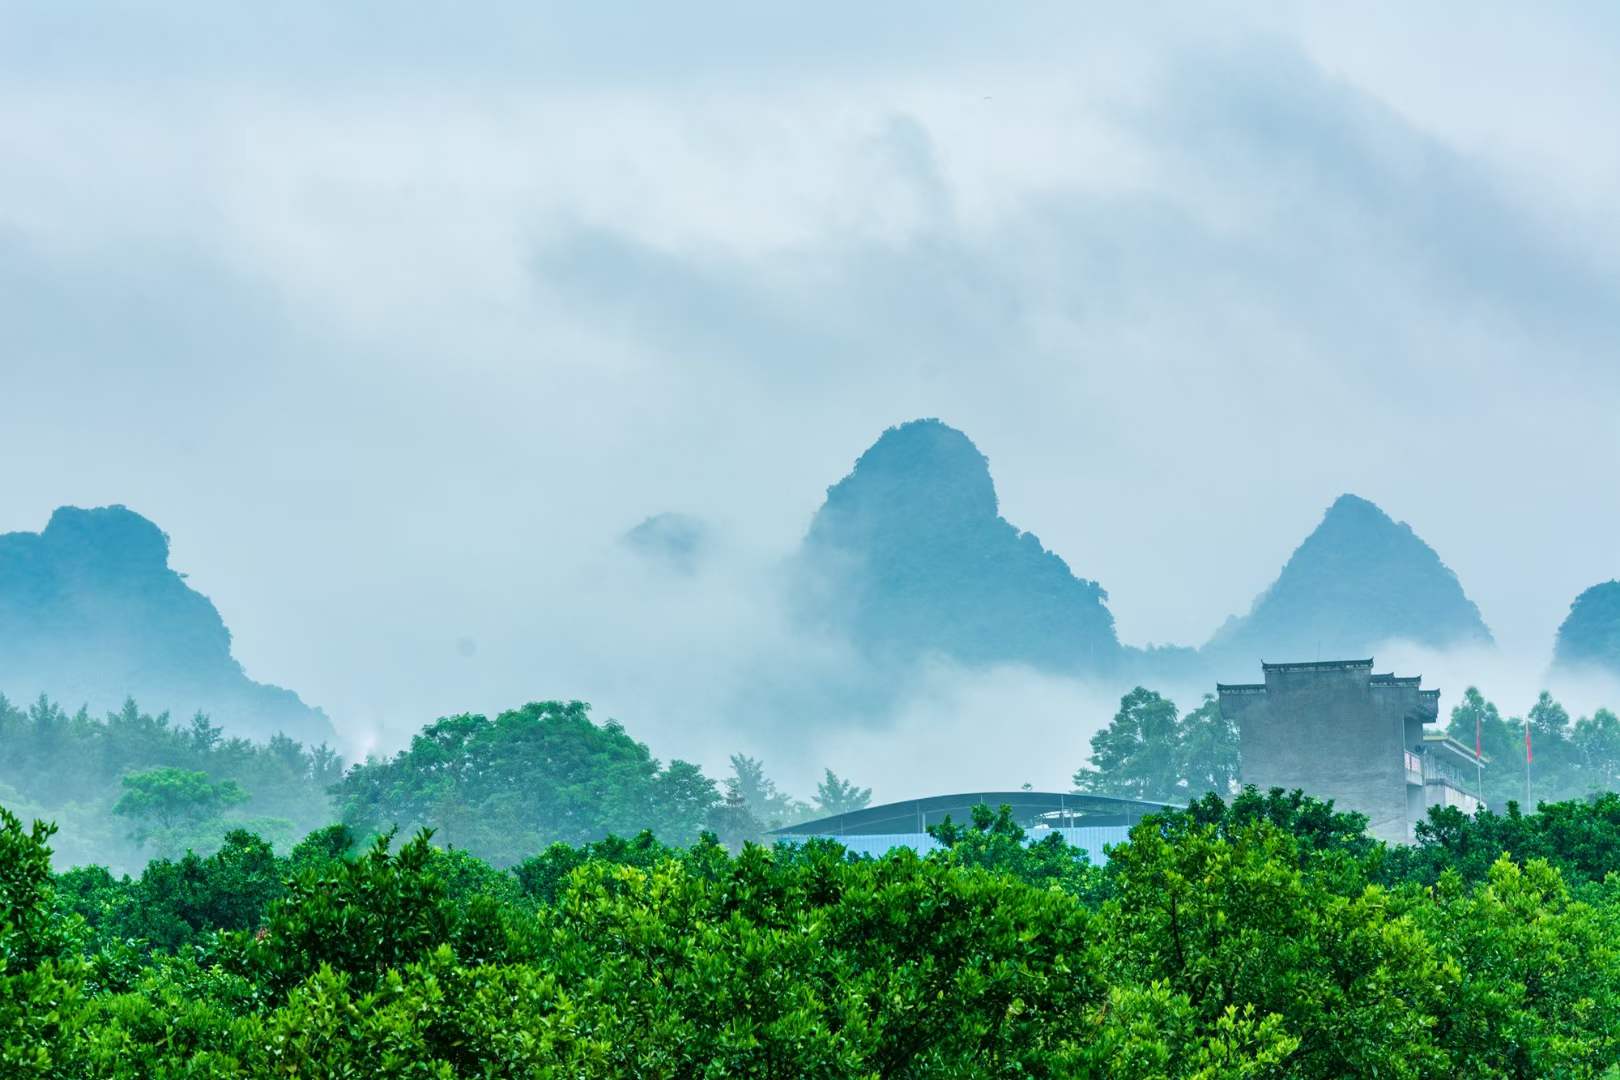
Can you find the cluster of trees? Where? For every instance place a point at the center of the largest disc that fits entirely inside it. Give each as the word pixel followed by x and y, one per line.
pixel 1264 936
pixel 508 786
pixel 1150 751
pixel 129 785
pixel 769 807
pixel 1570 758
pixel 546 773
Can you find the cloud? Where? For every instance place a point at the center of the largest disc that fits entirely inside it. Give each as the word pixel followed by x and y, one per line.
pixel 396 323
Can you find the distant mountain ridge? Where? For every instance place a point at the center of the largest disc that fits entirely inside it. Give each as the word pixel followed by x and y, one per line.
pixel 1357 581
pixel 1590 635
pixel 676 542
pixel 910 556
pixel 90 613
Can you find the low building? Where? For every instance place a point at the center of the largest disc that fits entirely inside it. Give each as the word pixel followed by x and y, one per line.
pixel 1338 731
pixel 1085 821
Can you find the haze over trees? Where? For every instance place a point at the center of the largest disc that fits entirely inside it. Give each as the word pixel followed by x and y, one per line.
pixel 129 786
pixel 166 800
pixel 181 785
pixel 758 795
pixel 1150 751
pixel 908 563
pixel 835 795
pixel 1572 757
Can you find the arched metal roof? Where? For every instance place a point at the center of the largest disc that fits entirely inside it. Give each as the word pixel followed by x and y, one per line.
pixel 1028 808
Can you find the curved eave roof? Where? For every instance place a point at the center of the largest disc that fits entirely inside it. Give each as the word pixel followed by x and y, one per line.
pixel 1464 754
pixel 911 815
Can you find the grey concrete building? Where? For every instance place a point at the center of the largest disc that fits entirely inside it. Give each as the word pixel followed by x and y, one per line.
pixel 1341 732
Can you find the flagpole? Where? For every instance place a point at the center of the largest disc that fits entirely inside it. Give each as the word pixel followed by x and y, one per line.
pixel 1479 766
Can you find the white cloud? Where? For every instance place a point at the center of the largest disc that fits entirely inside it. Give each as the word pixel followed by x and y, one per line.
pixel 395 324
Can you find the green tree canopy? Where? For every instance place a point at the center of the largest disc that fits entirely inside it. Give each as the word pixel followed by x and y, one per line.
pixel 838 796
pixel 1149 751
pixel 165 802
pixel 507 788
pixel 71 767
pixel 1596 740
pixel 759 794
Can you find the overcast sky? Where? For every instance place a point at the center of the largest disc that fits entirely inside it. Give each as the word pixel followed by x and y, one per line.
pixel 394 316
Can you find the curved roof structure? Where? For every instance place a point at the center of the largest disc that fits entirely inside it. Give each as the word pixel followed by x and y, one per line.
pixel 1054 808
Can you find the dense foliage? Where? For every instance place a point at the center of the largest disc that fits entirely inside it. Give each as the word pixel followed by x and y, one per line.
pixel 1265 936
pixel 181 785
pixel 130 786
pixel 508 787
pixel 546 773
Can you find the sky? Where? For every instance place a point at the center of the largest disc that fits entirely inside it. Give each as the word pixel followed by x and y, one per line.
pixel 396 316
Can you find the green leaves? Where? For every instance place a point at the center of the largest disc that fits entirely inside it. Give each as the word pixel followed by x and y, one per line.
pixel 30 932
pixel 1264 937
pixel 1149 751
pixel 167 804
pixel 192 784
pixel 39 975
pixel 506 788
pixel 362 917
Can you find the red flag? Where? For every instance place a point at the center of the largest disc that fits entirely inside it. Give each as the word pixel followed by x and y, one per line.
pixel 1528 756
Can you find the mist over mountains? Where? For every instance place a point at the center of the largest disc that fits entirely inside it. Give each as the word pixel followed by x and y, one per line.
pixel 673 541
pixel 1357 581
pixel 1590 637
pixel 91 613
pixel 907 563
pixel 909 556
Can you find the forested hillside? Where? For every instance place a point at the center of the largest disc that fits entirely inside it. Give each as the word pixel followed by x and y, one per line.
pixel 909 557
pixel 127 785
pixel 1590 636
pixel 1357 581
pixel 1265 937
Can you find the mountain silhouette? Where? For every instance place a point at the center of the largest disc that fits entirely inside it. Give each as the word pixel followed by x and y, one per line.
pixel 909 556
pixel 1359 580
pixel 675 542
pixel 1590 635
pixel 91 613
